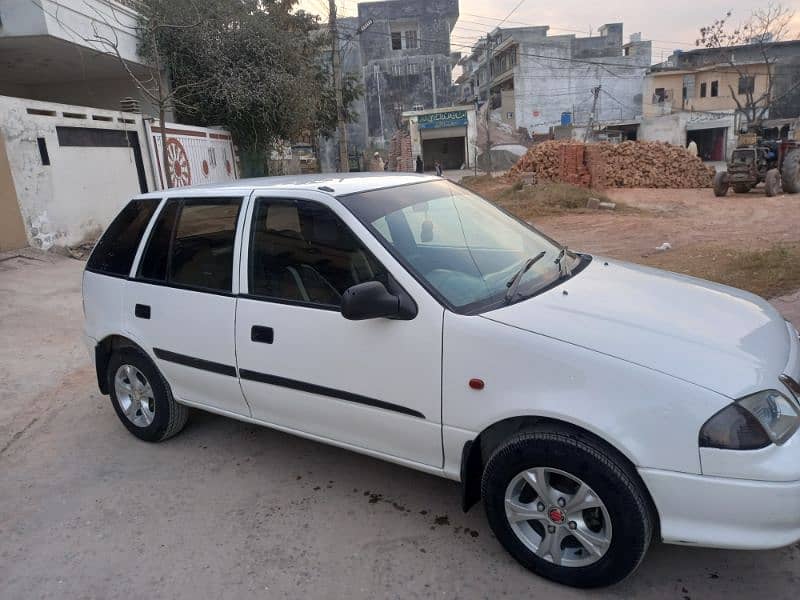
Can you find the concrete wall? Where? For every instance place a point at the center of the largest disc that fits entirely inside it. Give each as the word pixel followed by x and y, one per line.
pixel 670 128
pixel 396 80
pixel 99 93
pixel 12 229
pixel 196 155
pixel 549 84
pixel 97 161
pixel 47 52
pixel 554 74
pixel 74 21
pixel 82 188
pixel 674 82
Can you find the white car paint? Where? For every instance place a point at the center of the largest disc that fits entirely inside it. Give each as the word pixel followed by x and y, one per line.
pixel 639 357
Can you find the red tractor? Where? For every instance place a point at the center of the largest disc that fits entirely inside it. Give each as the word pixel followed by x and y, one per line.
pixel 775 162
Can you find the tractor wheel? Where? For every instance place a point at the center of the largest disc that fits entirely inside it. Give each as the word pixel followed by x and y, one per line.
pixel 772 183
pixel 790 174
pixel 742 188
pixel 721 183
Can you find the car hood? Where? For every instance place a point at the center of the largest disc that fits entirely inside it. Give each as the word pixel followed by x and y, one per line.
pixel 715 336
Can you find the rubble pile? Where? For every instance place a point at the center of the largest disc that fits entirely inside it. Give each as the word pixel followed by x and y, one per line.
pixel 603 164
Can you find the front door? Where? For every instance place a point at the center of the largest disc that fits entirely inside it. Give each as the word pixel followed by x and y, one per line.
pixel 373 384
pixel 181 302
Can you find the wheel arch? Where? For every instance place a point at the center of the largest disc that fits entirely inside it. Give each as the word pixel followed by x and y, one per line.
pixel 102 355
pixel 477 452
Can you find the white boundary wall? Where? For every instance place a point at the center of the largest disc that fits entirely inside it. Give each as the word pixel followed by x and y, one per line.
pixel 98 159
pixel 195 155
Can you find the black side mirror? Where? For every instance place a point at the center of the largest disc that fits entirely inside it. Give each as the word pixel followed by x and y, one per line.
pixel 371 300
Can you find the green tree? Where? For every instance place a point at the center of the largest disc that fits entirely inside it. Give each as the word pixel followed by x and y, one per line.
pixel 254 66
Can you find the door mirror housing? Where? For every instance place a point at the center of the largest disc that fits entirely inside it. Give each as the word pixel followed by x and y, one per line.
pixel 371 300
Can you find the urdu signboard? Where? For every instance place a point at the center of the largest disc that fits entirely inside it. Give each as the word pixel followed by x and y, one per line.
pixel 453 118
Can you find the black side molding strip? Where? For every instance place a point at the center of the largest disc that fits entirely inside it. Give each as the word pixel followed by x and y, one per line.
pixel 197 363
pixel 326 391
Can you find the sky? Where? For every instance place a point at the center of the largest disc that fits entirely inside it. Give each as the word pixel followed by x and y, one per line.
pixel 670 25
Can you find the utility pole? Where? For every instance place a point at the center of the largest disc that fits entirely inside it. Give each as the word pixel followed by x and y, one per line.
pixel 433 82
pixel 596 93
pixel 344 160
pixel 488 99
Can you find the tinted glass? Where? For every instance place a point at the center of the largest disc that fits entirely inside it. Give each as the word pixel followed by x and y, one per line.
pixel 154 261
pixel 301 251
pixel 116 250
pixel 202 251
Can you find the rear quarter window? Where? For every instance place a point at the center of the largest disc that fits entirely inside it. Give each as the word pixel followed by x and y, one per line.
pixel 114 253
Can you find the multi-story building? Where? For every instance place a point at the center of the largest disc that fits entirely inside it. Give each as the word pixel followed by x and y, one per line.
pixel 400 52
pixel 536 81
pixel 692 96
pixel 49 50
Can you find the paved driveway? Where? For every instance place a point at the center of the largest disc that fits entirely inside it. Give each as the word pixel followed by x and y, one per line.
pixel 229 510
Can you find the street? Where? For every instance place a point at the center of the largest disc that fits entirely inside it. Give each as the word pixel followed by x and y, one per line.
pixel 231 510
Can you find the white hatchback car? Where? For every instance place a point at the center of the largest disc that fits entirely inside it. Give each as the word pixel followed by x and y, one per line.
pixel 594 405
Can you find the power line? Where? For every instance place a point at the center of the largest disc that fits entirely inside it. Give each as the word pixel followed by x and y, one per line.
pixel 513 10
pixel 564 28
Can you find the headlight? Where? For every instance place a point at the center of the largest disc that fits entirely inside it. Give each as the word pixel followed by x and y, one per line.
pixel 752 422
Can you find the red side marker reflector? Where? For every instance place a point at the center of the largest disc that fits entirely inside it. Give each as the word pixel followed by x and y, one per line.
pixel 476 384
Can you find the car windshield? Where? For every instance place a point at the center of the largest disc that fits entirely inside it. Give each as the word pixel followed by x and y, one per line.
pixel 464 249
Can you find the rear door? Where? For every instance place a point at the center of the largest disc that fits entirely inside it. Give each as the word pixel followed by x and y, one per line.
pixel 181 303
pixel 373 384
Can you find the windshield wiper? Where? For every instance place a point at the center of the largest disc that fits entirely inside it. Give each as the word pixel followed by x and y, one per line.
pixel 564 270
pixel 513 283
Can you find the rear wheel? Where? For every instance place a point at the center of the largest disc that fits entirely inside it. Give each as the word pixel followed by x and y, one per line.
pixel 141 397
pixel 772 183
pixel 721 183
pixel 567 510
pixel 790 172
pixel 742 188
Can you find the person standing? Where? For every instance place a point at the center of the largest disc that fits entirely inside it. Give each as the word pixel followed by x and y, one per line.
pixel 420 167
pixel 376 163
pixel 438 167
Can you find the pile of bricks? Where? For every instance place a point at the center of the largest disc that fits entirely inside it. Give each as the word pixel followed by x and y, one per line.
pixel 601 165
pixel 401 157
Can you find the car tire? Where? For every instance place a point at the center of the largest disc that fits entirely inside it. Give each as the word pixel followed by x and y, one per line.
pixel 615 532
pixel 142 398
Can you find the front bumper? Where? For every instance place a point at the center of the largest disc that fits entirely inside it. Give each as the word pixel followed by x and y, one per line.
pixel 721 512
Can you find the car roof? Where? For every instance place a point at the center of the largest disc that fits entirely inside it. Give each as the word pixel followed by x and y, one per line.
pixel 334 184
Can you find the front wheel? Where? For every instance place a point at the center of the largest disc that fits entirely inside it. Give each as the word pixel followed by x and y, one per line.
pixel 566 510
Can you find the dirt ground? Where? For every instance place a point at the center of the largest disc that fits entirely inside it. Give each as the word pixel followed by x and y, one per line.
pixel 231 510
pixel 747 241
pixel 687 219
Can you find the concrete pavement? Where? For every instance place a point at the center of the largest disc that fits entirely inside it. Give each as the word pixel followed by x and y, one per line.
pixel 230 510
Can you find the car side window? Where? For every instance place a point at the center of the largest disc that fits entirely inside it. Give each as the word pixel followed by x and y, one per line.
pixel 114 253
pixel 302 252
pixel 153 265
pixel 191 244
